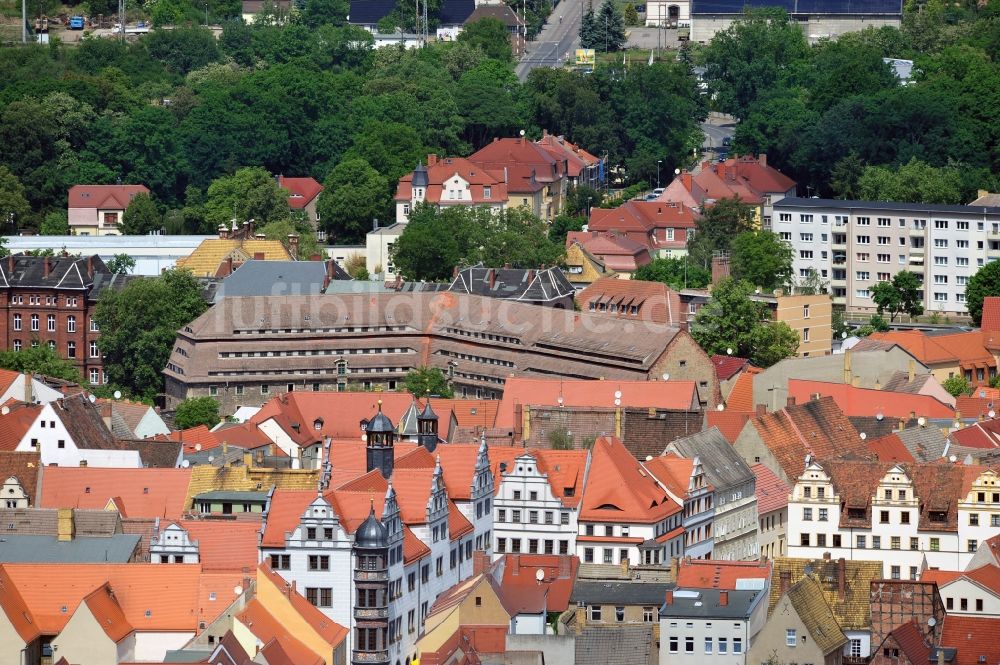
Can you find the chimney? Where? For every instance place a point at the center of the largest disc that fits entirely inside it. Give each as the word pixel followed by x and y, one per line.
pixel 723 598
pixel 720 268
pixel 480 562
pixel 790 401
pixel 247 459
pixel 328 277
pixel 841 574
pixel 315 257
pixel 686 181
pixel 912 371
pixel 786 581
pixel 229 265
pixel 432 160
pixel 257 256
pixel 29 379
pixel 454 272
pixel 223 232
pixel 46 267
pixel 492 277
pixel 826 556
pixel 669 600
pixel 761 410
pixel 10 264
pixel 515 564
pixel 293 245
pixel 762 159
pixel 581 618
pixel 90 267
pixel 847 366
pixel 66 525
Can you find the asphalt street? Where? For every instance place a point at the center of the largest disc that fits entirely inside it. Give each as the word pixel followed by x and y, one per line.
pixel 557 41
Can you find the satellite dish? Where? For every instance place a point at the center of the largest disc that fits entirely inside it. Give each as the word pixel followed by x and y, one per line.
pixel 720 407
pixel 197 447
pixel 238 590
pixel 932 622
pixel 729 350
pixel 953 458
pixel 843 335
pixel 921 421
pixel 958 424
pixel 5 410
pixel 618 394
pixel 211 458
pixel 649 458
pixel 666 376
pixel 118 394
pixel 560 400
pixel 185 464
pixel 879 416
pixel 677 171
pixel 539 574
pixel 92 398
pixel 618 402
pixel 863 436
pixel 364 437
pixel 521 132
pixel 992 413
pixel 757 290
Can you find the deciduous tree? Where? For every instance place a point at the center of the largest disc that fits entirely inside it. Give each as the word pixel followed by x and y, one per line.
pixel 763 259
pixel 197 411
pixel 986 282
pixel 250 193
pixel 899 296
pixel 719 225
pixel 353 195
pixel 677 273
pixel 141 216
pixel 428 381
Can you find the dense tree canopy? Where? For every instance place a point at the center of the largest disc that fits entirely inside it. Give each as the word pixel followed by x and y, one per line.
pixel 985 283
pixel 677 273
pixel 718 226
pixel 197 411
pixel 901 295
pixel 428 381
pixel 762 259
pixel 42 360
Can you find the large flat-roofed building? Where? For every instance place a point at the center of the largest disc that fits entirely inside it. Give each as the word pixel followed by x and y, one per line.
pixel 247 349
pixel 818 19
pixel 856 244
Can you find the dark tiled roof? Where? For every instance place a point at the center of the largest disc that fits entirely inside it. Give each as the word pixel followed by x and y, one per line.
pixel 266 278
pixel 706 604
pixel 540 286
pixel 926 444
pixel 614 645
pixel 722 465
pixel 84 424
pixel 455 12
pixel 812 609
pixel 158 454
pixel 900 383
pixel 45 521
pixel 929 208
pixel 500 11
pixel 368 12
pixel 119 548
pixel 64 272
pixel 645 434
pixel 619 593
pixel 853 611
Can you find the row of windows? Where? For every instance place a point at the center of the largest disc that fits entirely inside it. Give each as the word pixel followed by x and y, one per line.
pixel 312 352
pixel 886 222
pixel 516 546
pixel 720 645
pixel 35 322
pixel 50 301
pixel 70 347
pixel 533 517
pixel 340 370
pixel 597 613
pixel 895 542
pixel 351 329
pixel 477 359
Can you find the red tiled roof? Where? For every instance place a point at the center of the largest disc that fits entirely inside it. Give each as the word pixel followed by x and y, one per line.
pixel 439 171
pixel 654 301
pixel 576 157
pixel 987 577
pixel 271 632
pixel 145 493
pixel 559 575
pixel 984 435
pixel 17 611
pixel 854 401
pixel 24 466
pixel 16 423
pixel 564 469
pixel 974 637
pixel 710 574
pixel 524 160
pixel 729 422
pixel 740 396
pixel 617 252
pixel 672 471
pixel 940 577
pixel 648 222
pixel 676 395
pixel 7 377
pixel 301 191
pixel 772 492
pixel 975 406
pixel 112 197
pixel 224 545
pixel 619 490
pixel 331 631
pixel 925 349
pixel 413 548
pixel 726 367
pixel 991 315
pixel 108 613
pixel 194 438
pixel 910 639
pixel 890 448
pixel 284 511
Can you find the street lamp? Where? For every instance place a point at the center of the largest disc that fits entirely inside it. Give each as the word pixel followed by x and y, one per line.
pixel 658 162
pixel 206 14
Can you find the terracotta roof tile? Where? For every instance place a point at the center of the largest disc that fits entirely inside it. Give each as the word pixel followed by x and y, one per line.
pixel 413 548
pixel 772 492
pixel 559 576
pixel 144 492
pixel 652 301
pixel 854 401
pixel 277 639
pixel 673 471
pixel 679 395
pixel 104 196
pixel 564 469
pixel 331 631
pixel 991 315
pixel 729 422
pixel 925 349
pixel 224 545
pixel 479 177
pixel 617 252
pixel 726 367
pixel 16 424
pixel 910 639
pixel 707 574
pixel 619 490
pixel 284 511
pixel 301 191
pixel 24 466
pixel 974 637
pixel 108 613
pixel 16 609
pixel 740 397
pixel 194 438
pixel 889 448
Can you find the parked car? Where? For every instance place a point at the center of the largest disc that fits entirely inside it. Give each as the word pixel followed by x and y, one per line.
pixel 658 191
pixel 76 23
pixel 727 141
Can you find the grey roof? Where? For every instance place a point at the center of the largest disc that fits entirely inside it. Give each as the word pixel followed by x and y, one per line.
pixel 540 286
pixel 222 495
pixel 216 456
pixel 722 465
pixel 45 522
pixel 455 12
pixel 591 592
pixel 902 68
pixel 157 454
pixel 186 656
pixel 63 272
pixel 929 208
pixel 274 278
pixel 875 428
pixel 118 548
pixel 704 603
pixel 372 534
pixel 800 7
pixel 926 444
pixel 615 645
pixel 900 383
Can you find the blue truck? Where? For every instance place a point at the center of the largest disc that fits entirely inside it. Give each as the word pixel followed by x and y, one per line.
pixel 76 23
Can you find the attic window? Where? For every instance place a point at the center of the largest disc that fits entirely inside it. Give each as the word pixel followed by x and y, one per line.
pixel 149 613
pixel 856 513
pixel 211 595
pixel 86 490
pixel 608 506
pixel 938 516
pixel 145 490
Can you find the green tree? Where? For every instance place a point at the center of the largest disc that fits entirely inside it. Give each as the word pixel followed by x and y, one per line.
pixel 736 70
pixel 812 284
pixel 875 324
pixel 718 226
pixel 589 37
pixel 428 382
pixel 560 439
pixel 325 12
pixel 985 283
pixel 732 320
pixel 182 49
pixel 141 217
pixel 631 15
pixel 197 411
pixel 490 36
pixel 41 360
pixel 121 264
pixel 13 204
pixel 845 176
pixel 56 223
pixel 610 26
pixel 899 296
pixel 139 324
pixel 763 259
pixel 250 193
pixel 677 273
pixel 916 181
pixel 281 229
pixel 580 200
pixel 353 195
pixel 563 224
pixel 957 386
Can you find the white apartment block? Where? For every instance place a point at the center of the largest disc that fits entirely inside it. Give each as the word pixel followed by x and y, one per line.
pixel 853 245
pixel 876 511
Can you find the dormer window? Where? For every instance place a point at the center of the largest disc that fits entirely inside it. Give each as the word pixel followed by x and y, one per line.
pixel 487 192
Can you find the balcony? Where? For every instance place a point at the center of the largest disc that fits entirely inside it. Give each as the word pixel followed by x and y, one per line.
pixel 993 233
pixel 369 656
pixel 371 612
pixel 839 244
pixel 371 576
pixel 993 251
pixel 917 232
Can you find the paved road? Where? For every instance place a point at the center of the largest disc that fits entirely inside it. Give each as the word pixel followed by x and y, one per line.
pixel 556 42
pixel 716 128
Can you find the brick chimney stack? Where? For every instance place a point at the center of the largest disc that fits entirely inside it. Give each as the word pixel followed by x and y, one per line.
pixel 46 267
pixel 762 159
pixel 432 160
pixel 720 268
pixel 669 600
pixel 786 581
pixel 90 267
pixel 723 598
pixel 841 574
pixel 293 245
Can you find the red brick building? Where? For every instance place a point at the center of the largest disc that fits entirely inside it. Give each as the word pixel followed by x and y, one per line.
pixel 51 300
